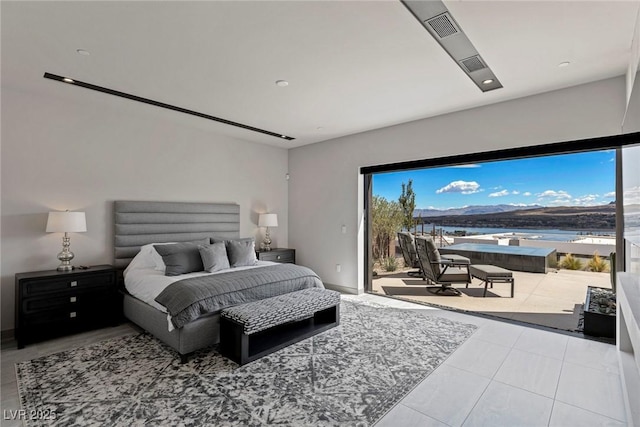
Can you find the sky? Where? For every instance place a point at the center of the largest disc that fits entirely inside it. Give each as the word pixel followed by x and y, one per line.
pixel 582 179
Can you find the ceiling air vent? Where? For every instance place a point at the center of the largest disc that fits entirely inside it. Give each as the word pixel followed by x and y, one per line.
pixel 443 25
pixel 473 63
pixel 434 17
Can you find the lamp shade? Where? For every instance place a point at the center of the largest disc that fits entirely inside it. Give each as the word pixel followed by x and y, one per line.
pixel 268 220
pixel 63 222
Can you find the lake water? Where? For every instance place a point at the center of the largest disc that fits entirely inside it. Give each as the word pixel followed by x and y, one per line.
pixel 540 234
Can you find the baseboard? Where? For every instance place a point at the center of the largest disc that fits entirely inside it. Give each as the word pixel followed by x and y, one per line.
pixel 343 289
pixel 7 335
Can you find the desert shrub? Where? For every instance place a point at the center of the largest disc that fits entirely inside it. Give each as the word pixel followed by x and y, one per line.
pixel 596 263
pixel 386 219
pixel 571 263
pixel 390 264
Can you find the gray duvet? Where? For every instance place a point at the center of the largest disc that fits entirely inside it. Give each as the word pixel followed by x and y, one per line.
pixel 188 299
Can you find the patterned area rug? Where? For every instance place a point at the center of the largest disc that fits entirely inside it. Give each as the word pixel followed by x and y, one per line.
pixel 348 376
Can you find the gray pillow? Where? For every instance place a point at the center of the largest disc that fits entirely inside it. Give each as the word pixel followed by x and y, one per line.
pixel 241 252
pixel 181 258
pixel 214 257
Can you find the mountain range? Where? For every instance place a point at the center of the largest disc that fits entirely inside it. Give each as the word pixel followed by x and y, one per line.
pixel 471 210
pixel 563 217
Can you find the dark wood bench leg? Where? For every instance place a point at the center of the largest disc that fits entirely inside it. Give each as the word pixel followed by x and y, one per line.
pixel 486 283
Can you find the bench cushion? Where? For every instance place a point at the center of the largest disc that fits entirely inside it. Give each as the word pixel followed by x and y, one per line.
pixel 264 314
pixel 484 271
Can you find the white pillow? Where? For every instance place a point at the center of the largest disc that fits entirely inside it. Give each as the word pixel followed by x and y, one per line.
pixel 143 260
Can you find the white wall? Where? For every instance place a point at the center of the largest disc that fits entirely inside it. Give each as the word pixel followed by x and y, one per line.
pixel 326 191
pixel 78 150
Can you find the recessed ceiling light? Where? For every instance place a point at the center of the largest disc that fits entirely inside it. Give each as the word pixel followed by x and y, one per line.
pixel 67 79
pixel 83 52
pixel 487 82
pixel 282 83
pixel 564 64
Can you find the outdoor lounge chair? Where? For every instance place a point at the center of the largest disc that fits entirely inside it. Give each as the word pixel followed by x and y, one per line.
pixel 408 249
pixel 439 270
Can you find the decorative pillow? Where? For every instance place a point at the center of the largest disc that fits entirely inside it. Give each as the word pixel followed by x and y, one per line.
pixel 180 258
pixel 214 257
pixel 157 258
pixel 241 252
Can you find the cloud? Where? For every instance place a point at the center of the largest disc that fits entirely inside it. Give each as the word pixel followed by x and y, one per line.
pixel 526 194
pixel 516 192
pixel 560 194
pixel 610 195
pixel 499 193
pixel 464 187
pixel 586 200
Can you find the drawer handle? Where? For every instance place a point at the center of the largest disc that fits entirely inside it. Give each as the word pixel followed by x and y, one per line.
pixel 72 314
pixel 72 299
pixel 278 257
pixel 73 284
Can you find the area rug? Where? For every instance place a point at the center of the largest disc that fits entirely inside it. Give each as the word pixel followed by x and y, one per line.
pixel 348 376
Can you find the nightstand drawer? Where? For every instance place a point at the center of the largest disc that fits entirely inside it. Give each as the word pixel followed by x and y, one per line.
pixel 284 256
pixel 44 286
pixel 70 315
pixel 71 300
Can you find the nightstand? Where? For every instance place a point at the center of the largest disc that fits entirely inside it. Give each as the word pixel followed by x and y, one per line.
pixel 54 303
pixel 282 255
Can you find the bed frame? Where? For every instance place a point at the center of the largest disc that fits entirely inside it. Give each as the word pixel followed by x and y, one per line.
pixel 139 223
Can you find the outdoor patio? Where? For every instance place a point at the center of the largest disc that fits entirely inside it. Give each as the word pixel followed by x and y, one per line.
pixel 553 299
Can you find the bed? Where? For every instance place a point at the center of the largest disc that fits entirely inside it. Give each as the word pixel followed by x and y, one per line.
pixel 139 224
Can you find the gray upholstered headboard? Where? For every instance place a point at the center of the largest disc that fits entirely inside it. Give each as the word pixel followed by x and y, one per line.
pixel 140 223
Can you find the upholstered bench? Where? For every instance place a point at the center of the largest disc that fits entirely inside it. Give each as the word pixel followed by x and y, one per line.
pixel 490 274
pixel 250 331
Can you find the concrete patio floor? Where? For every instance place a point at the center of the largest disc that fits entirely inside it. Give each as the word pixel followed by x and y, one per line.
pixel 553 299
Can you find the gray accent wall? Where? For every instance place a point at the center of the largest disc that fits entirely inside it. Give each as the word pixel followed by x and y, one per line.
pixel 327 191
pixel 69 148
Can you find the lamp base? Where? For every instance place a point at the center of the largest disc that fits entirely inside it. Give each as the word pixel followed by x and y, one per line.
pixel 266 244
pixel 66 255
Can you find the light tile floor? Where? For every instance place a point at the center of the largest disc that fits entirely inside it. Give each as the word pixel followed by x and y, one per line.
pixel 516 376
pixel 504 375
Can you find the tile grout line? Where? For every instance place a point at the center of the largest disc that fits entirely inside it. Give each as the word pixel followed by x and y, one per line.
pixel 553 403
pixel 601 372
pixel 491 380
pixel 595 413
pixel 421 413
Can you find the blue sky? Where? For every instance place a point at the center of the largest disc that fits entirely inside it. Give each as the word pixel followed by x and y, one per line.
pixel 583 179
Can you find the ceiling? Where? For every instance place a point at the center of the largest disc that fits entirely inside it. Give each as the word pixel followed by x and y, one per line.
pixel 352 66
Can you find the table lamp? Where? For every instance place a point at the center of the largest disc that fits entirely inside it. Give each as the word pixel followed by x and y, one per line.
pixel 66 222
pixel 267 220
